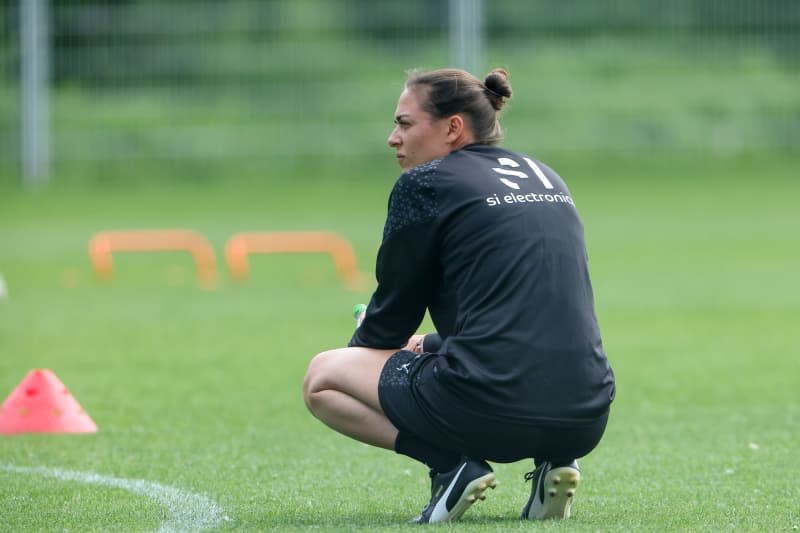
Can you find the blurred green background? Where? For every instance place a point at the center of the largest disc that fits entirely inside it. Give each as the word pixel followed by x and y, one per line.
pixel 191 91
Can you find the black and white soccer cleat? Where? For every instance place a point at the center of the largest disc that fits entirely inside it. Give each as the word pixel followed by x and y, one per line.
pixel 453 492
pixel 552 491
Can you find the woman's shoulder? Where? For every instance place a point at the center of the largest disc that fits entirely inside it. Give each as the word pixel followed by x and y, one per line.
pixel 421 172
pixel 414 198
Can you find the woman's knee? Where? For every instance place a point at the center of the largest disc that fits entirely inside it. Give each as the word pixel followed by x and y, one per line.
pixel 314 378
pixel 352 371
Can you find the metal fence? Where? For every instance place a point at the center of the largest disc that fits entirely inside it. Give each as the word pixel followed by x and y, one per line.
pixel 195 88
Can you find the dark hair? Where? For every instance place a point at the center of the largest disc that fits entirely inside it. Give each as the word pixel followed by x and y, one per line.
pixel 452 91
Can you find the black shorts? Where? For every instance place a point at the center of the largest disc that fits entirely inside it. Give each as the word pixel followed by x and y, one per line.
pixel 405 376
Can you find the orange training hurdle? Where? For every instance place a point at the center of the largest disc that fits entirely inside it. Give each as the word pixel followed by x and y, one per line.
pixel 240 245
pixel 104 243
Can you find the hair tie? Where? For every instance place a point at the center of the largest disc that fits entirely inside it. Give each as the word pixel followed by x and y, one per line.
pixel 488 90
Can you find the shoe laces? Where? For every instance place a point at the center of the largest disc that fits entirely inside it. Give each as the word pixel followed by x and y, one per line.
pixel 532 474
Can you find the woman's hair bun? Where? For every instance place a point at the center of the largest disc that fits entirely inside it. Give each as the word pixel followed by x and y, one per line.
pixel 498 88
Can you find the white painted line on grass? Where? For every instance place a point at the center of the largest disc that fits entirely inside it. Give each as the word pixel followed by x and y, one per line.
pixel 189 511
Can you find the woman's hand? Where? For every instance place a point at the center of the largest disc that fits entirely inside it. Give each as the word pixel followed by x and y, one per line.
pixel 415 344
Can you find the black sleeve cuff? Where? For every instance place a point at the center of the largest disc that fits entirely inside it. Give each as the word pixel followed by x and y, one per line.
pixel 432 342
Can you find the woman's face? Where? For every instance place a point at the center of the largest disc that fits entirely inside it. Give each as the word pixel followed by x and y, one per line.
pixel 417 137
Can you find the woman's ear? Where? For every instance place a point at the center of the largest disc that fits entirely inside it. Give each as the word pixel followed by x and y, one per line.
pixel 455 130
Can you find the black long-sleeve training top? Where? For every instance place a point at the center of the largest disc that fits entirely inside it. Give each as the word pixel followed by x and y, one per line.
pixel 490 242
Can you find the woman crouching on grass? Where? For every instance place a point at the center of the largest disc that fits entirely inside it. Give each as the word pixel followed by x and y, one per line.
pixel 489 242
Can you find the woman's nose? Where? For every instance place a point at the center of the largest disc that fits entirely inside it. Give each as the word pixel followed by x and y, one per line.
pixel 394 139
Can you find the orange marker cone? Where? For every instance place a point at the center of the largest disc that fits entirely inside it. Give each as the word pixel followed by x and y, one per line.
pixel 42 404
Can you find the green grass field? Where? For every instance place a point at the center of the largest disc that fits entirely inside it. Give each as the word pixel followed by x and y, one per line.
pixel 197 393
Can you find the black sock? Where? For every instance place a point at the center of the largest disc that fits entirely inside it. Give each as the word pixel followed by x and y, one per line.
pixel 554 463
pixel 436 458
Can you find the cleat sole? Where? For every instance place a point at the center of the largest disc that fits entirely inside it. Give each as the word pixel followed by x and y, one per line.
pixel 558 502
pixel 473 492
